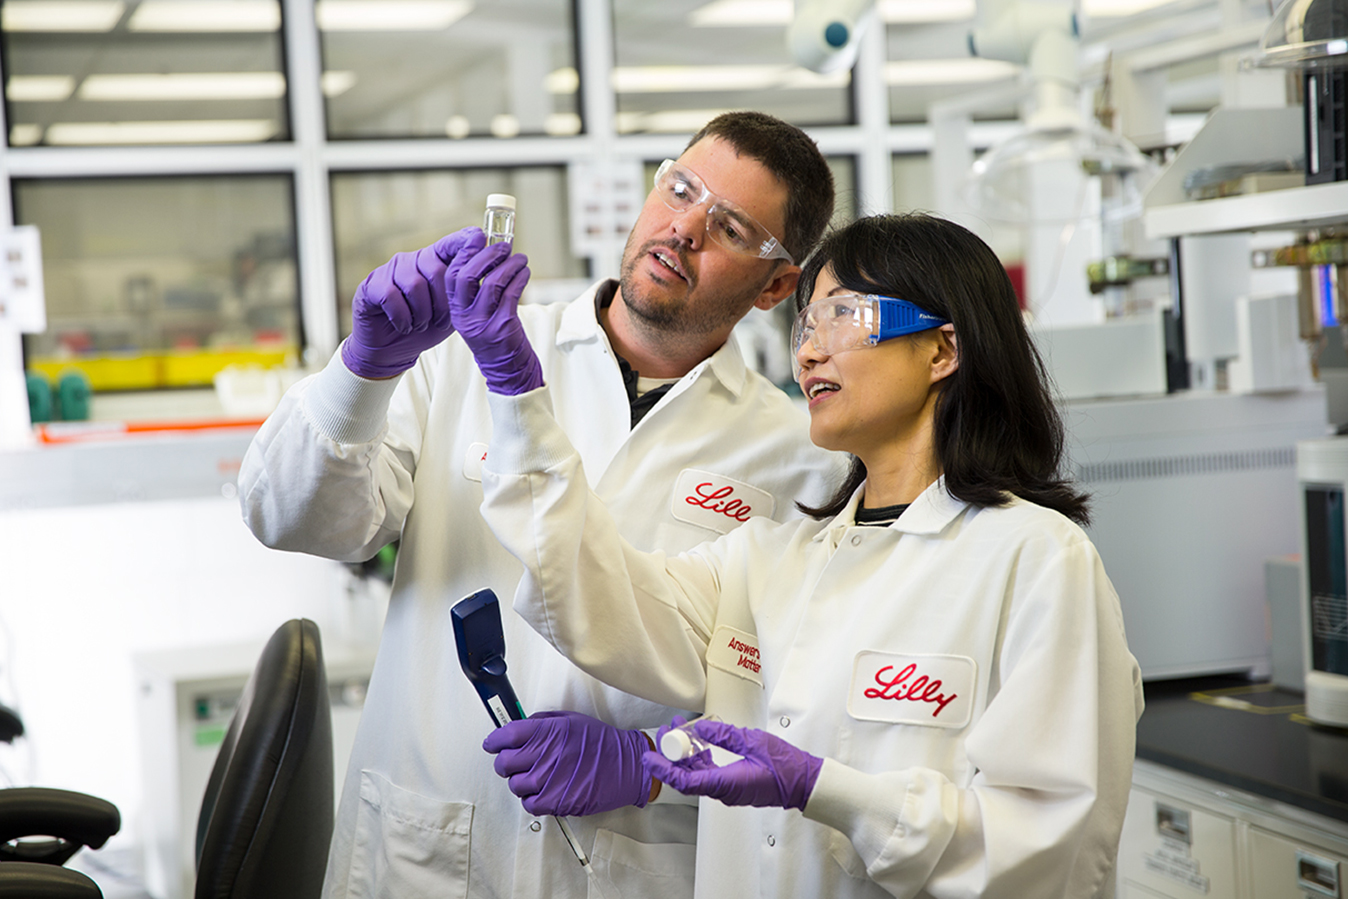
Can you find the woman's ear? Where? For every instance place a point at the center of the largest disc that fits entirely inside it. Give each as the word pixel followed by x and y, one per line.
pixel 946 360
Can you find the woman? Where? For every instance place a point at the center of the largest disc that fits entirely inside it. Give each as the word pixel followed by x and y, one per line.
pixel 927 680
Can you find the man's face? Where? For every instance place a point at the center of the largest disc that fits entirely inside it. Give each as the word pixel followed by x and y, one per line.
pixel 674 276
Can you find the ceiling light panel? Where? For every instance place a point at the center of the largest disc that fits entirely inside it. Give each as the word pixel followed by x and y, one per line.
pixel 669 79
pixel 39 88
pixel 389 15
pixel 218 131
pixel 914 12
pixel 185 86
pixel 206 16
pixel 741 13
pixel 914 72
pixel 336 82
pixel 779 13
pixel 1117 8
pixel 61 15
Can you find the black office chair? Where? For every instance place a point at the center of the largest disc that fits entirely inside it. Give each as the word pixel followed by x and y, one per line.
pixel 266 817
pixel 41 828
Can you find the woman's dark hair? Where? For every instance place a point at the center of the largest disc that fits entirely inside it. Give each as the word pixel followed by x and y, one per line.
pixel 996 428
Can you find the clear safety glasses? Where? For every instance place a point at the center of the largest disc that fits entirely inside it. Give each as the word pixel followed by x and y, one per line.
pixel 851 321
pixel 727 224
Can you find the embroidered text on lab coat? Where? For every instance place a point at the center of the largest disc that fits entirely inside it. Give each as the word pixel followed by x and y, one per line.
pixel 716 502
pixel 736 651
pixel 930 690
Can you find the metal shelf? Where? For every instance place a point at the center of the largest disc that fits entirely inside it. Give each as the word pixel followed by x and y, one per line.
pixel 1295 209
pixel 1236 136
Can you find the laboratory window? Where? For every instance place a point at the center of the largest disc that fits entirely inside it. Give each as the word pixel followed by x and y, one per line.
pixel 128 72
pixel 679 63
pixel 162 282
pixel 377 214
pixel 449 68
pixel 927 60
pixel 912 176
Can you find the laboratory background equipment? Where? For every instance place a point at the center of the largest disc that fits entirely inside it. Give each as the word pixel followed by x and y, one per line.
pixel 499 220
pixel 1322 471
pixel 185 699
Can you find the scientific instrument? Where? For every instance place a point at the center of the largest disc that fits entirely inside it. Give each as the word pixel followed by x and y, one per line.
pixel 1322 473
pixel 481 642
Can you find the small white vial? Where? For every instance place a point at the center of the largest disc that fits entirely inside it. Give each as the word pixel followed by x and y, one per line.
pixel 682 742
pixel 499 220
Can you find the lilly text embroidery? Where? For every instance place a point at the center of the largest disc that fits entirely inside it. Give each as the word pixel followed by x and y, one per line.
pixel 706 498
pixel 920 690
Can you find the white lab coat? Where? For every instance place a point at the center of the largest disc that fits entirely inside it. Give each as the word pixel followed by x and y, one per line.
pixel 331 472
pixel 963 672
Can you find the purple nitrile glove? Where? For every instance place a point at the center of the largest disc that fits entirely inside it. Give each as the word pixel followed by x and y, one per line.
pixel 566 763
pixel 401 310
pixel 772 772
pixel 487 318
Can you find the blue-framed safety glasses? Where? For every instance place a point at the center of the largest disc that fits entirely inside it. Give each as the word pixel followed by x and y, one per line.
pixel 852 321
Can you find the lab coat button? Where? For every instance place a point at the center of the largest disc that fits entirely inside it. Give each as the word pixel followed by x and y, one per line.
pixel 785 722
pixel 856 540
pixel 772 841
pixel 535 826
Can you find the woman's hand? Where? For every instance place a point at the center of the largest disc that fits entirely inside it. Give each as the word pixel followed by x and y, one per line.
pixel 771 772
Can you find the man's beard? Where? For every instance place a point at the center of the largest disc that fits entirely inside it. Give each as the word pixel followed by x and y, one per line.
pixel 681 315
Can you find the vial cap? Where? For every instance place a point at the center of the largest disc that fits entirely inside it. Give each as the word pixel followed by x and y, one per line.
pixel 676 745
pixel 505 200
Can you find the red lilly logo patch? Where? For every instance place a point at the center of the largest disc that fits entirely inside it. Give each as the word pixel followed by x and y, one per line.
pixel 930 690
pixel 717 502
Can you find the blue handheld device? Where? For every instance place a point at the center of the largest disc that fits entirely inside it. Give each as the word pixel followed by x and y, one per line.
pixel 481 642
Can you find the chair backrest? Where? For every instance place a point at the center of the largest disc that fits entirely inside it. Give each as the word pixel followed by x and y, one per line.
pixel 266 817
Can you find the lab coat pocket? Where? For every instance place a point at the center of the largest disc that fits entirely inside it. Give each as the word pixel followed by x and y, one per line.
pixel 407 844
pixel 657 870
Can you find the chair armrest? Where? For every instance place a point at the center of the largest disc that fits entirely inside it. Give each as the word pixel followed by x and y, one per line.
pixel 75 818
pixel 30 880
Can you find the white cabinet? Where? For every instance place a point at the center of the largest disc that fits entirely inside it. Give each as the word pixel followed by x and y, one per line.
pixel 1176 849
pixel 1186 836
pixel 1283 868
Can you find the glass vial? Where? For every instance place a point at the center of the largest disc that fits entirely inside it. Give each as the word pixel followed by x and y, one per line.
pixel 682 742
pixel 499 220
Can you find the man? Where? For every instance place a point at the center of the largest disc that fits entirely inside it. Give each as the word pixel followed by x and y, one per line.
pixel 681 440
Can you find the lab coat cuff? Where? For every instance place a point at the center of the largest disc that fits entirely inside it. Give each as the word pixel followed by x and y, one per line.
pixel 525 435
pixel 847 800
pixel 345 407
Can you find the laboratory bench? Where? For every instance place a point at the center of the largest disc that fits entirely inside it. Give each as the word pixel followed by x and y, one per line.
pixel 1235 794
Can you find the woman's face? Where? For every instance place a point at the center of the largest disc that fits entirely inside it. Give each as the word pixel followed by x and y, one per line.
pixel 871 400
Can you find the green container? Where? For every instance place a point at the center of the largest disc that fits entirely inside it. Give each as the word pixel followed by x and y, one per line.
pixel 73 392
pixel 39 398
